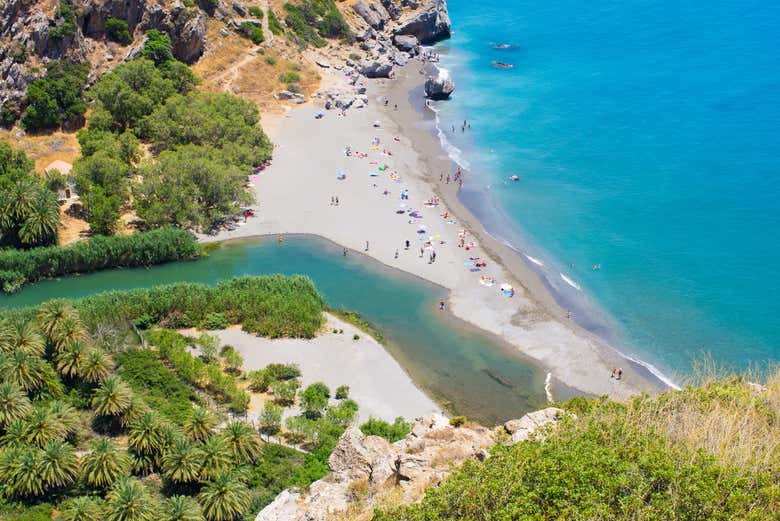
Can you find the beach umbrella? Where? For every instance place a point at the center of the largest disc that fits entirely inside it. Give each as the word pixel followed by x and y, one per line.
pixel 377 124
pixel 506 287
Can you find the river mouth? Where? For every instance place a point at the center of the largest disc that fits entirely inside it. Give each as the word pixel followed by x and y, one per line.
pixel 466 371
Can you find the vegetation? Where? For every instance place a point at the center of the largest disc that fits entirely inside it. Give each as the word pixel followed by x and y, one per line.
pixel 312 21
pixel 18 267
pixel 29 211
pixel 274 25
pixel 256 11
pixel 56 99
pixel 117 30
pixel 253 32
pixel 359 322
pixel 63 25
pixel 392 432
pixel 158 47
pixel 675 456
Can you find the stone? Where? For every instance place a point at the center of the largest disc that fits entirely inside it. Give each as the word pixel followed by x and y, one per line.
pixel 325 64
pixel 377 69
pixel 522 429
pixel 439 87
pixel 431 25
pixel 406 42
pixel 392 8
pixel 373 13
pixel 239 8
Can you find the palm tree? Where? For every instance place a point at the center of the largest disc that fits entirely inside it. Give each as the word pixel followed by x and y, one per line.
pixel 97 366
pixel 59 464
pixel 69 329
pixel 66 415
pixel 182 462
pixel 52 314
pixel 216 457
pixel 243 441
pixel 24 370
pixel 146 434
pixel 15 435
pixel 182 508
pixel 112 397
pixel 42 426
pixel 224 499
pixel 82 508
pixel 22 475
pixel 138 408
pixel 42 220
pixel 71 358
pixel 26 337
pixel 104 464
pixel 14 404
pixel 200 423
pixel 128 500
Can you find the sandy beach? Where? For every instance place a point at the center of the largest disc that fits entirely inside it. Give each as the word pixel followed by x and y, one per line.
pixel 376 381
pixel 297 194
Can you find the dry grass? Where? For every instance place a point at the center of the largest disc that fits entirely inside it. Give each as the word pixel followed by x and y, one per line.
pixel 44 148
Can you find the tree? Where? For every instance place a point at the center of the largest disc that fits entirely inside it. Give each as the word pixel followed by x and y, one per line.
pixel 24 370
pixel 24 336
pixel 284 391
pixel 97 366
pixel 59 464
pixel 103 211
pixel 104 464
pixel 242 441
pixel 57 97
pixel 14 164
pixel 343 414
pixel 41 112
pixel 260 380
pixel 128 500
pixel 182 462
pixel 209 346
pixel 199 424
pixel 157 47
pixel 314 399
pixel 101 170
pixel 51 315
pixel 112 398
pixel 270 419
pixel 42 221
pixel 20 471
pixel 233 360
pixel 29 212
pixel 70 361
pixel 224 499
pixel 182 508
pixel 41 427
pixel 216 457
pixel 81 508
pixel 118 31
pixel 14 404
pixel 146 435
pixel 342 392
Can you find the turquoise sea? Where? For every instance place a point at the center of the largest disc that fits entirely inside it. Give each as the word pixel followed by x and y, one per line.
pixel 646 138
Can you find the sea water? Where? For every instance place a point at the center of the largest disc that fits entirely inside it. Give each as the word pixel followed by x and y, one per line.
pixel 460 368
pixel 646 139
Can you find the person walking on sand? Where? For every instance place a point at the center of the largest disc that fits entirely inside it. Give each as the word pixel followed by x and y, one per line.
pixel 620 373
pixel 344 252
pixel 366 245
pixel 614 370
pixel 422 251
pixel 441 304
pixel 407 244
pixel 396 254
pixel 337 200
pixel 448 178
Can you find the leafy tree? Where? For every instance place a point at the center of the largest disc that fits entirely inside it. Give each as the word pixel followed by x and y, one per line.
pixel 342 392
pixel 271 419
pixel 97 366
pixel 343 414
pixel 182 508
pixel 42 426
pixel 71 360
pixel 118 31
pixel 23 336
pixel 20 471
pixel 41 112
pixel 102 171
pixel 55 180
pixel 392 432
pixel 200 424
pixel 224 499
pixel 51 315
pixel 284 391
pixel 82 508
pixel 103 211
pixel 128 500
pixel 314 399
pixel 124 146
pixel 146 435
pixel 59 464
pixel 26 371
pixel 14 404
pixel 112 398
pixel 14 165
pixel 157 47
pixel 57 97
pixel 209 346
pixel 63 25
pixel 104 464
pixel 233 360
pixel 242 441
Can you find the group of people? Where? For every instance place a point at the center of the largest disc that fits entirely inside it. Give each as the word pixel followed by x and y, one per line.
pixel 617 373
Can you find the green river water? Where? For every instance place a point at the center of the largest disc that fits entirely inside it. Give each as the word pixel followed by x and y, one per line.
pixel 464 370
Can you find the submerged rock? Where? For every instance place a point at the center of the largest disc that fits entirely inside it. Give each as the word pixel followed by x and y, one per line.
pixel 439 87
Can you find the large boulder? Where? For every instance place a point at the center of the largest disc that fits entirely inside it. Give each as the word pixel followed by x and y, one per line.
pixel 189 38
pixel 377 69
pixel 407 43
pixel 372 12
pixel 522 429
pixel 440 86
pixel 430 25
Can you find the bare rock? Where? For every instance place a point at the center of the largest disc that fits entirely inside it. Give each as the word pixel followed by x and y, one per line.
pixel 372 12
pixel 377 69
pixel 406 42
pixel 239 8
pixel 440 86
pixel 522 429
pixel 430 25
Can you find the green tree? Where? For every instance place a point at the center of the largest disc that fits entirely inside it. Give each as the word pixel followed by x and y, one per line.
pixel 182 508
pixel 57 98
pixel 270 419
pixel 14 404
pixel 103 211
pixel 51 316
pixel 260 380
pixel 42 110
pixel 147 436
pixel 118 31
pixel 26 371
pixel 81 508
pixel 242 441
pixel 24 336
pixel 342 392
pixel 392 432
pixel 14 164
pixel 226 498
pixel 59 465
pixel 112 398
pixel 233 360
pixel 42 426
pixel 157 47
pixel 103 171
pixel 216 457
pixel 314 399
pixel 128 500
pixel 20 471
pixel 200 423
pixel 42 220
pixel 182 462
pixel 97 366
pixel 29 213
pixel 104 464
pixel 284 391
pixel 70 361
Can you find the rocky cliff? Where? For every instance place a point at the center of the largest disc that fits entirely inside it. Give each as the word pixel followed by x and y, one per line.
pixel 368 471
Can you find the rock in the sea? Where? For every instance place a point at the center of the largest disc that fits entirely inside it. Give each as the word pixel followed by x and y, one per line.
pixel 440 86
pixel 377 69
pixel 406 42
pixel 430 25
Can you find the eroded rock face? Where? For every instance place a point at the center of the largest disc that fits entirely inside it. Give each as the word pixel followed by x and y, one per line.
pixel 365 468
pixel 431 25
pixel 522 429
pixel 372 12
pixel 377 69
pixel 407 43
pixel 440 86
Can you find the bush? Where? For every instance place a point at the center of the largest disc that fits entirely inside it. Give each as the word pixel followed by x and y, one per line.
pixel 289 77
pixel 274 25
pixel 270 60
pixel 284 391
pixel 56 99
pixel 256 11
pixel 64 23
pixel 342 392
pixel 457 421
pixel 215 321
pixel 253 32
pixel 314 20
pixel 118 31
pixel 283 371
pixel 392 432
pixel 158 47
pixel 138 249
pixel 355 337
pixel 260 380
pixel 314 399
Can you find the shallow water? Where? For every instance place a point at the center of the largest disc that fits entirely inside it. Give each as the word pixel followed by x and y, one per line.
pixel 464 370
pixel 645 138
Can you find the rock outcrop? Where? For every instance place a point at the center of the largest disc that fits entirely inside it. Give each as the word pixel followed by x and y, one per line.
pixel 365 469
pixel 431 25
pixel 440 86
pixel 377 69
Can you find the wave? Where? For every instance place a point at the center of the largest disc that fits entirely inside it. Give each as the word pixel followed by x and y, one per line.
pixel 570 282
pixel 548 388
pixel 654 371
pixel 534 260
pixel 454 153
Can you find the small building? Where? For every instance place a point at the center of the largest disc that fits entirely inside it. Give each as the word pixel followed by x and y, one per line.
pixel 63 167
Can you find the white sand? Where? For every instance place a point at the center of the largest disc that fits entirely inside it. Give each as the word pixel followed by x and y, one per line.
pixel 376 381
pixel 294 196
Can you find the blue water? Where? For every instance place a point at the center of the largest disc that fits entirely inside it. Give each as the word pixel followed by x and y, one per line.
pixel 646 138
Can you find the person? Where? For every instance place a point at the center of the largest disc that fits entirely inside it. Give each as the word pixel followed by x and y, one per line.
pixel 448 178
pixel 332 200
pixel 337 200
pixel 441 304
pixel 344 252
pixel 422 251
pixel 441 177
pixel 407 244
pixel 396 106
pixel 614 371
pixel 396 254
pixel 568 314
pixel 433 257
pixel 280 239
pixel 366 245
pixel 620 373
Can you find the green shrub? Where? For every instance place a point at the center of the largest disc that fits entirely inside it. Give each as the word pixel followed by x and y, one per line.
pixel 289 77
pixel 270 60
pixel 274 25
pixel 158 47
pixel 118 31
pixel 314 399
pixel 355 337
pixel 392 432
pixel 56 99
pixel 256 11
pixel 138 249
pixel 253 32
pixel 314 20
pixel 342 392
pixel 260 380
pixel 215 320
pixel 64 23
pixel 283 371
pixel 457 421
pixel 284 391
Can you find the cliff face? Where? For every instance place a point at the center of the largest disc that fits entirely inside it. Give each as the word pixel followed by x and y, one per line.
pixel 30 36
pixel 368 471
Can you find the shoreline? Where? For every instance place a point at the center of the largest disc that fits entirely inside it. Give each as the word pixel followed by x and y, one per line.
pixel 293 197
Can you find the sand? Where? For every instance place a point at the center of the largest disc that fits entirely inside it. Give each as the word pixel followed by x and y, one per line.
pixel 376 381
pixel 295 196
